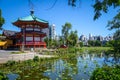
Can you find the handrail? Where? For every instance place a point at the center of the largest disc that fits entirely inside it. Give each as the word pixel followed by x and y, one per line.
pixel 33 43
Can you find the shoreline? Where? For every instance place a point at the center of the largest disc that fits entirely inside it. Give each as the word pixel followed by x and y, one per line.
pixel 22 57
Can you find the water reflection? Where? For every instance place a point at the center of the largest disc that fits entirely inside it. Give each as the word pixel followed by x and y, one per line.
pixel 12 76
pixel 76 68
pixel 71 68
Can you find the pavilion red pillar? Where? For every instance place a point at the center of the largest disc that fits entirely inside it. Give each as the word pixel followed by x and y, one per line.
pixel 25 36
pixel 40 35
pixel 33 41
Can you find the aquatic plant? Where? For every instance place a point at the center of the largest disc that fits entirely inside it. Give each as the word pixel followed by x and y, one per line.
pixel 3 76
pixel 10 63
pixel 106 73
pixel 36 59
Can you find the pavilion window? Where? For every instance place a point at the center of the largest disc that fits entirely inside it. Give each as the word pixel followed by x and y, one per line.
pixel 29 38
pixel 35 26
pixel 36 29
pixel 29 29
pixel 37 38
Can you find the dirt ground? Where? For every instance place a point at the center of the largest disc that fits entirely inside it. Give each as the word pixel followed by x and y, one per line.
pixel 6 55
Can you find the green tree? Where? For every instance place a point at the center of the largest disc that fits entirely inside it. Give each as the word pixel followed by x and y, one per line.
pixel 65 31
pixel 2 21
pixel 3 76
pixel 106 73
pixel 117 35
pixel 72 39
pixel 47 41
pixel 81 44
pixel 99 6
pixel 98 43
pixel 109 43
pixel 61 41
pixel 91 43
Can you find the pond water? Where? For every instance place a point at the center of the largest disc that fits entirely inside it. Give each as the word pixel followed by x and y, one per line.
pixel 76 68
pixel 72 68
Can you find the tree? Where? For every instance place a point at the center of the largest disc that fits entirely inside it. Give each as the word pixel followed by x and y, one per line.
pixel 2 21
pixel 91 43
pixel 65 31
pixel 81 44
pixel 98 43
pixel 117 35
pixel 99 6
pixel 110 43
pixel 61 40
pixel 47 41
pixel 72 39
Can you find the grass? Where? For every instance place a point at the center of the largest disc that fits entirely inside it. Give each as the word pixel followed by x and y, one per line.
pixel 20 52
pixel 96 49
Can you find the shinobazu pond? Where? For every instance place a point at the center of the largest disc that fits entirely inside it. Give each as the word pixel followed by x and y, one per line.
pixel 76 66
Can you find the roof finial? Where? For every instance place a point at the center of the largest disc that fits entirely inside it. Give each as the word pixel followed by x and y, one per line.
pixel 31 7
pixel 32 12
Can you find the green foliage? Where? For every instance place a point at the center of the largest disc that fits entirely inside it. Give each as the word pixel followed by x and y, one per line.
pixel 51 43
pixel 115 23
pixel 110 43
pixel 106 73
pixel 103 6
pixel 36 59
pixel 20 52
pixel 94 43
pixel 116 46
pixel 81 44
pixel 3 76
pixel 96 49
pixel 2 21
pixel 10 63
pixel 99 6
pixel 65 31
pixel 69 38
pixel 72 38
pixel 117 35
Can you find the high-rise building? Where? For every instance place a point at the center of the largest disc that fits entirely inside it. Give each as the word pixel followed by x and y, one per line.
pixel 91 37
pixel 52 32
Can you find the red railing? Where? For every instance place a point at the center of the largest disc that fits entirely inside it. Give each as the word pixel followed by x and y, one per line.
pixel 31 43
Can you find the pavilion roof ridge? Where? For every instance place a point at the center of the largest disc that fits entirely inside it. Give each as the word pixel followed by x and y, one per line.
pixel 32 18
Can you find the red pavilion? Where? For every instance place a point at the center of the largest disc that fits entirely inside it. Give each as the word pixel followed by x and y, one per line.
pixel 31 34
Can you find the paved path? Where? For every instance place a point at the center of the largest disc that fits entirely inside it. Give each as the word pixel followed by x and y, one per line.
pixel 6 55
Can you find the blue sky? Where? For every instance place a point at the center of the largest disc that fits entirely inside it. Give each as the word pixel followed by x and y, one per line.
pixel 80 17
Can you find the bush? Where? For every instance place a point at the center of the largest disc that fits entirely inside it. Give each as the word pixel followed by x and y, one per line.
pixel 3 76
pixel 36 58
pixel 10 63
pixel 106 73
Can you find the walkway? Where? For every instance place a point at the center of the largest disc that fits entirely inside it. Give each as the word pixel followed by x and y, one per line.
pixel 6 55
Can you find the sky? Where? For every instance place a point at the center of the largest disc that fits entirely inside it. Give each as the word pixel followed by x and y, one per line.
pixel 81 17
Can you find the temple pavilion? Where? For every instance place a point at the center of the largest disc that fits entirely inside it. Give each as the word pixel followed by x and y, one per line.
pixel 31 34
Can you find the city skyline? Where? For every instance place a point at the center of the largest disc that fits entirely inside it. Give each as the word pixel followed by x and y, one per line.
pixel 80 17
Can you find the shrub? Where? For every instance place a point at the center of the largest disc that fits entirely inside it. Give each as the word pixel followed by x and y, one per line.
pixel 3 76
pixel 10 63
pixel 106 73
pixel 36 58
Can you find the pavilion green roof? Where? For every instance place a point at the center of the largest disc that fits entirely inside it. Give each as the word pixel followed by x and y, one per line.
pixel 32 18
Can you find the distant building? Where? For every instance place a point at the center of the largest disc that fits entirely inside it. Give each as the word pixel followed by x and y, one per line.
pixel 52 32
pixel 83 39
pixel 91 37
